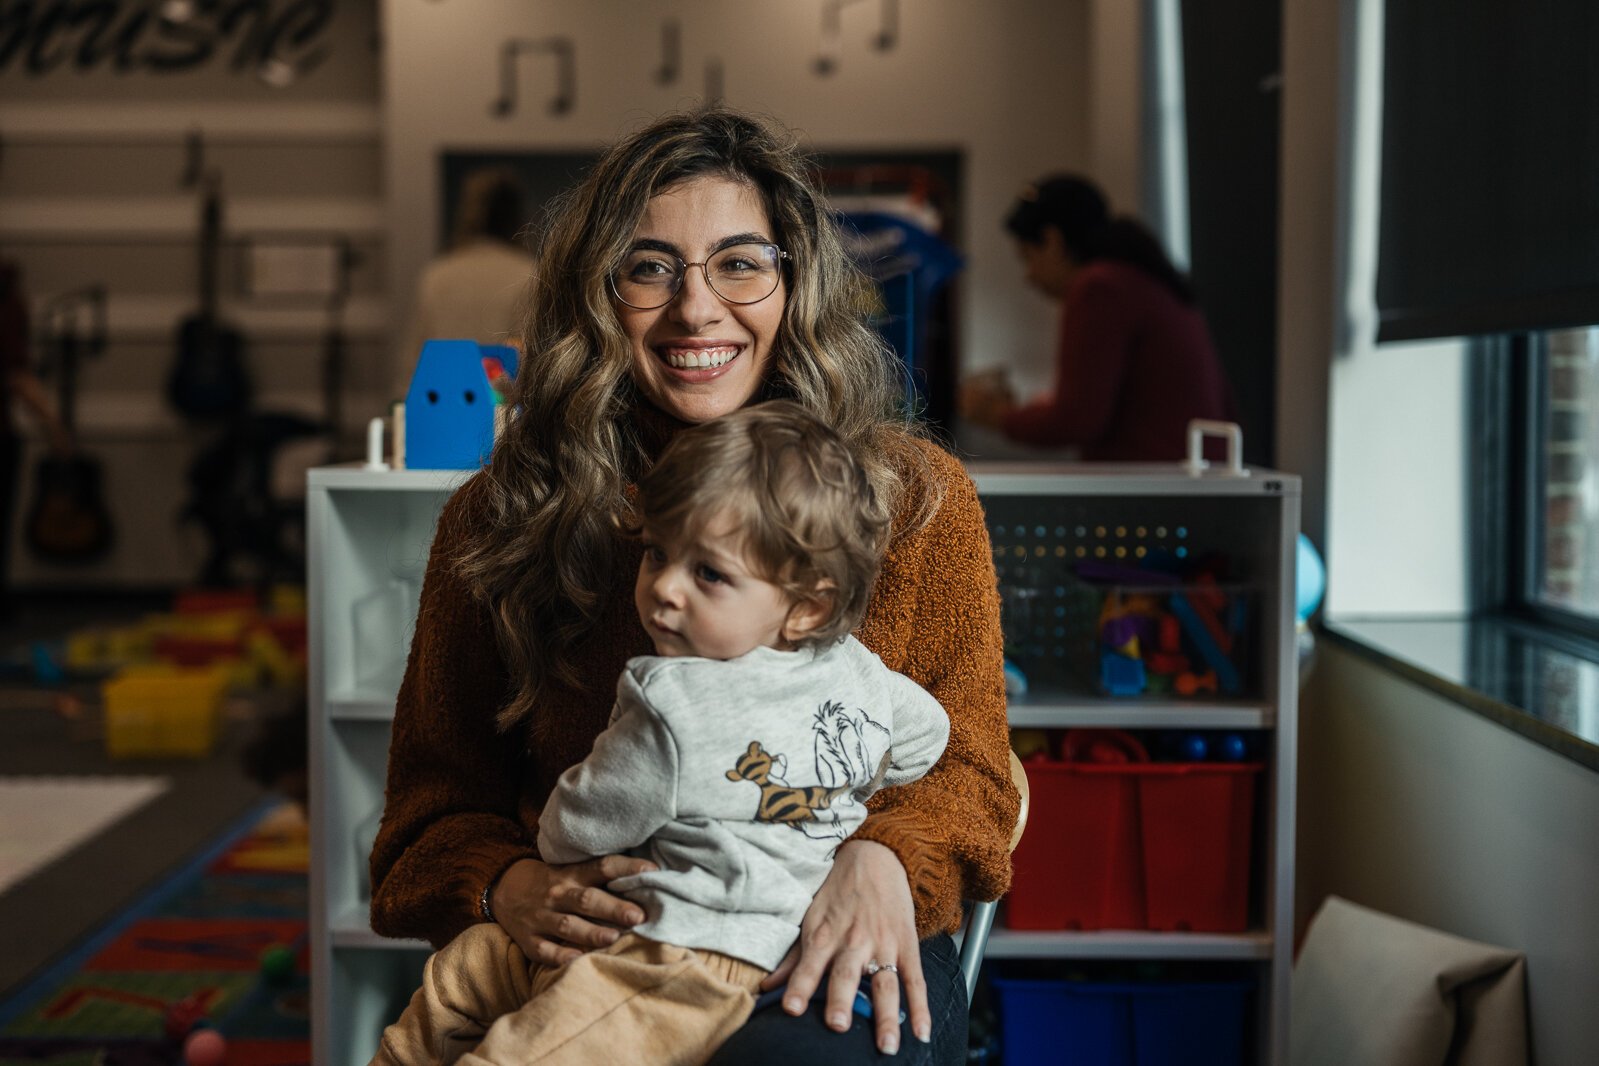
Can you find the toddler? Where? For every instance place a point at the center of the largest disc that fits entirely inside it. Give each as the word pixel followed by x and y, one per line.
pixel 737 759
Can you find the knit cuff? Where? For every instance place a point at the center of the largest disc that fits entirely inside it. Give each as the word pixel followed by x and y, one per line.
pixel 934 881
pixel 433 892
pixel 480 868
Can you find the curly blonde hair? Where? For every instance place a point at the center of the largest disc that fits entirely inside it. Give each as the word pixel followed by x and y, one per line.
pixel 805 512
pixel 556 487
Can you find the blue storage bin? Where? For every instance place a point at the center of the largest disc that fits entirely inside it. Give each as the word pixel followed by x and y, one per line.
pixel 1079 1023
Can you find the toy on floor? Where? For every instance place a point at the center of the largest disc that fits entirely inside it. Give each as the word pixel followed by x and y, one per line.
pixel 205 1047
pixel 183 1018
pixel 277 964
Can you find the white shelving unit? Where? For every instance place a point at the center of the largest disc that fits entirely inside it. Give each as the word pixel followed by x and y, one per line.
pixel 369 534
pixel 1043 520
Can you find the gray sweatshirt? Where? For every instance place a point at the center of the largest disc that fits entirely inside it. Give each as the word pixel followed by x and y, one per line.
pixel 739 779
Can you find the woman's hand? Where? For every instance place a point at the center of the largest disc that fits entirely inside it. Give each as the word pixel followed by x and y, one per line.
pixel 862 914
pixel 556 913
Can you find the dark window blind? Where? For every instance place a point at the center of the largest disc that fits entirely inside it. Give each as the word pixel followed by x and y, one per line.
pixel 1490 167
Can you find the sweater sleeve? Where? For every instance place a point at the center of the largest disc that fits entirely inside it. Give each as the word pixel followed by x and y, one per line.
pixel 1096 335
pixel 951 830
pixel 450 824
pixel 921 730
pixel 618 796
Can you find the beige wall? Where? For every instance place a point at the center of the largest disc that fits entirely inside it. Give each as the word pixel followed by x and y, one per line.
pixel 1007 84
pixel 1413 805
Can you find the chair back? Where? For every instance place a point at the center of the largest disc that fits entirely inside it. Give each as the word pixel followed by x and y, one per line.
pixel 981 915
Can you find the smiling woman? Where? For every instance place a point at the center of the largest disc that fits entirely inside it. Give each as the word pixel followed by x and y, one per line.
pixel 695 271
pixel 700 352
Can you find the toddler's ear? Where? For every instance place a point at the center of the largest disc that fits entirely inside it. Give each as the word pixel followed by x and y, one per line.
pixel 809 614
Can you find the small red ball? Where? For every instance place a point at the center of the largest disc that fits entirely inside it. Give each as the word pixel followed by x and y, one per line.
pixel 205 1047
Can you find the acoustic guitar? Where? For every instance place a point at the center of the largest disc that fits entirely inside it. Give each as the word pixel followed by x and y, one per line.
pixel 67 521
pixel 209 379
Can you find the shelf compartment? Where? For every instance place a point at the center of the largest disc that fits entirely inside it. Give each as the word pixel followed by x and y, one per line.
pixel 1126 944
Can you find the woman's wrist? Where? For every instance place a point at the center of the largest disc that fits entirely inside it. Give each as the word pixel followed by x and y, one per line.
pixel 488 907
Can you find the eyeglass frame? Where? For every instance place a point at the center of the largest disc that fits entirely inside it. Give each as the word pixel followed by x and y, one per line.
pixel 705 272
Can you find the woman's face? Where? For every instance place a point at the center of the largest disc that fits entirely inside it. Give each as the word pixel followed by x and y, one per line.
pixel 1050 268
pixel 693 220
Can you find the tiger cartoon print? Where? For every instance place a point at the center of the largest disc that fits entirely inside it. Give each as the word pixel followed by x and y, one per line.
pixel 843 746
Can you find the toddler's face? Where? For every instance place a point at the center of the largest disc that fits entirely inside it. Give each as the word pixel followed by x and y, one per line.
pixel 699 596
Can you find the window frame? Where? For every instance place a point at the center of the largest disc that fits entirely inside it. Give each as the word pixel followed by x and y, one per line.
pixel 1510 383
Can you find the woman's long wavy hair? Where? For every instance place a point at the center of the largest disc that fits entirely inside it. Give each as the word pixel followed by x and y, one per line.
pixel 549 555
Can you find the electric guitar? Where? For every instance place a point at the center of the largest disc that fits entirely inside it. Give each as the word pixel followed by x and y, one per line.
pixel 209 379
pixel 67 521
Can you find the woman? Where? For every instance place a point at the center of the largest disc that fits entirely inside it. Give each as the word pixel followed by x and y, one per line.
pixel 693 272
pixel 475 289
pixel 1134 362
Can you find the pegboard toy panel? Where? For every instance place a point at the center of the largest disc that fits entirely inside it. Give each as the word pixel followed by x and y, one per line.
pixel 1052 618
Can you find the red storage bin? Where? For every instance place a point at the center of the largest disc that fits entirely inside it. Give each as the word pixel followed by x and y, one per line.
pixel 1135 846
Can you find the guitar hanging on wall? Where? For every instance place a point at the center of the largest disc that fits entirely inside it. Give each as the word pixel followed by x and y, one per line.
pixel 67 521
pixel 209 379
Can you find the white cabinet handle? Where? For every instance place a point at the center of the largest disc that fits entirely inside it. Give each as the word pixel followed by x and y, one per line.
pixel 1198 430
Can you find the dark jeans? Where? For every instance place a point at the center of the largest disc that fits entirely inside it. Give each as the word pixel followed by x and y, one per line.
pixel 773 1037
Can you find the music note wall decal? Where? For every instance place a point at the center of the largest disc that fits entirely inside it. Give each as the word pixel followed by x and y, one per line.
pixel 713 81
pixel 888 28
pixel 565 73
pixel 827 54
pixel 887 35
pixel 671 52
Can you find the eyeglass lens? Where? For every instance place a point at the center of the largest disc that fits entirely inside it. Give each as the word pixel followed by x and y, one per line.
pixel 740 274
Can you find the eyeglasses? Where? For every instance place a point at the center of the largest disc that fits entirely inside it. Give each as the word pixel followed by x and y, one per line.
pixel 740 274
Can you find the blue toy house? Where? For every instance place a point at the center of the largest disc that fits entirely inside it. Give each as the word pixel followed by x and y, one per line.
pixel 450 406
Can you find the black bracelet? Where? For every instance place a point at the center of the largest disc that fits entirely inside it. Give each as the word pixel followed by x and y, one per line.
pixel 483 902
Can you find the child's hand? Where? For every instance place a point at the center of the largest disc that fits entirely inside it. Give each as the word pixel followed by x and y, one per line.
pixel 862 920
pixel 556 913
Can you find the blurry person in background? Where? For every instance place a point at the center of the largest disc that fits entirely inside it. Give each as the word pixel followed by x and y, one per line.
pixel 18 382
pixel 1134 361
pixel 474 291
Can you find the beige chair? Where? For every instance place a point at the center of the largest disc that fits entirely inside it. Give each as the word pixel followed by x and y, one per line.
pixel 980 917
pixel 1377 990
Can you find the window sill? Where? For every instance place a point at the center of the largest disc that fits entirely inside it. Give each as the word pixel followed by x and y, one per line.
pixel 1542 686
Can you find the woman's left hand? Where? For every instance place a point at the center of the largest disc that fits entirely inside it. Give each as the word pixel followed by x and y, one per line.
pixel 862 914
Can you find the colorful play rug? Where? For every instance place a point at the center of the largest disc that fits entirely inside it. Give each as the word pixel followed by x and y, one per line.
pixel 222 944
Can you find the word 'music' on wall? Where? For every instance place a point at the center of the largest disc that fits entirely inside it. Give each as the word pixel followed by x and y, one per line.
pixel 160 36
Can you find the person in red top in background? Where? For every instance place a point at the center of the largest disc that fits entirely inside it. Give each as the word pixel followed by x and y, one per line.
pixel 1135 361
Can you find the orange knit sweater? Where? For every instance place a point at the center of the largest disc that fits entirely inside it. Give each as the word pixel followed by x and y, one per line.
pixel 463 799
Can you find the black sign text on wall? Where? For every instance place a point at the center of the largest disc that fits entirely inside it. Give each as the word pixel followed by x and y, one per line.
pixel 162 37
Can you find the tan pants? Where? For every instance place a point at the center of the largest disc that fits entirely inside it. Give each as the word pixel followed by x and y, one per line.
pixel 482 1003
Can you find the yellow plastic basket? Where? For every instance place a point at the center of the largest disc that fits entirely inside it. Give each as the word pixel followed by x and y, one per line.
pixel 163 710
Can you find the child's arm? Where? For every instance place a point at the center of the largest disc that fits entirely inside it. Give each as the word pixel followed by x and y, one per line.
pixel 621 794
pixel 921 729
